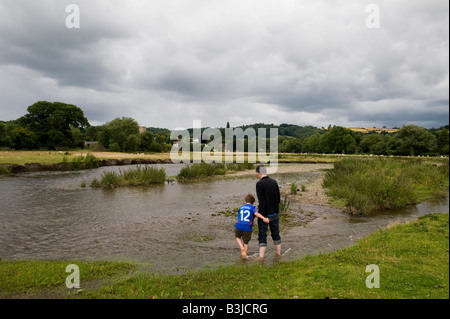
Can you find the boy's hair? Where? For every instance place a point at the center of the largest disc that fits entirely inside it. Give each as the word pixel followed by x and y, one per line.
pixel 250 199
pixel 261 170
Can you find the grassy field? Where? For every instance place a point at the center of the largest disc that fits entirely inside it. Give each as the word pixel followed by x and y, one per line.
pixel 412 259
pixel 53 157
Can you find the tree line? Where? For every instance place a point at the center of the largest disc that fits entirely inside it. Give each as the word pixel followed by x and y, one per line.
pixel 55 125
pixel 409 140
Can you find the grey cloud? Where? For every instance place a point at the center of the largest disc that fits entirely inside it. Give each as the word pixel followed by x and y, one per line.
pixel 302 57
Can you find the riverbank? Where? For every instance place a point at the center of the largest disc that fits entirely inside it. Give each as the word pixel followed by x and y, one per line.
pixel 33 161
pixel 412 260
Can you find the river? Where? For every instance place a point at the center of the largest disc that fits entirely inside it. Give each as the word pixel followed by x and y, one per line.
pixel 169 228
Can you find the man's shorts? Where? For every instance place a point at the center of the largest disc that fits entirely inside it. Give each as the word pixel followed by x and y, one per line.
pixel 245 235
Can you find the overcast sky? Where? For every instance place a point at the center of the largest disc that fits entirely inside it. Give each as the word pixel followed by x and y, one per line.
pixel 167 63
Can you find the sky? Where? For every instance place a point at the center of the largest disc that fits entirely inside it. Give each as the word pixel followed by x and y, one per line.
pixel 353 63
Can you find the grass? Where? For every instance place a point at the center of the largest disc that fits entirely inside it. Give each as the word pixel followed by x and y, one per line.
pixel 412 259
pixel 293 188
pixel 4 170
pixel 202 170
pixel 21 278
pixel 138 176
pixel 379 184
pixel 82 162
pixel 54 157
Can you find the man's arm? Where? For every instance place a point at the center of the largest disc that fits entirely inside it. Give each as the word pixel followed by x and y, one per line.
pixel 278 194
pixel 261 197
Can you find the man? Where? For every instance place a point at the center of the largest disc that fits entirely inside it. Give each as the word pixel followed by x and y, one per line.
pixel 268 194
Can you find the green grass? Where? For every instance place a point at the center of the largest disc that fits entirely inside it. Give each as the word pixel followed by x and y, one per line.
pixel 4 170
pixel 83 162
pixel 139 176
pixel 379 184
pixel 202 170
pixel 294 188
pixel 412 259
pixel 22 278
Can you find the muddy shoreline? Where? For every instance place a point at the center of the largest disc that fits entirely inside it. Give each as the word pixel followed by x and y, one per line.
pixel 61 167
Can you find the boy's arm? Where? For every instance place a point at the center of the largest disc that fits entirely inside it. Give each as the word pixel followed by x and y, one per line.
pixel 265 219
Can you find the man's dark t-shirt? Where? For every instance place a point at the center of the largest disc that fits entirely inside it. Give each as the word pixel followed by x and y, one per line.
pixel 268 196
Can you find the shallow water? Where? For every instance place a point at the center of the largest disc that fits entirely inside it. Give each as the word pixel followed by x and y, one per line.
pixel 172 227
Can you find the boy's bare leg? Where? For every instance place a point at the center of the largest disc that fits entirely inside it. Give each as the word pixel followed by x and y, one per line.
pixel 244 252
pixel 242 246
pixel 240 243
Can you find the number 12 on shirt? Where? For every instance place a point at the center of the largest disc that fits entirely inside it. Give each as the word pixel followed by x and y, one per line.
pixel 244 216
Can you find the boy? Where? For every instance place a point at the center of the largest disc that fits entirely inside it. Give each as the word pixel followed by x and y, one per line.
pixel 243 227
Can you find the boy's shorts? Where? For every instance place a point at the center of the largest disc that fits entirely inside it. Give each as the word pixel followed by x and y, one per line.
pixel 245 235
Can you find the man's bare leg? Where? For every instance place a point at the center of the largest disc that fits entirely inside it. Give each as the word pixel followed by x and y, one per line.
pixel 278 250
pixel 262 252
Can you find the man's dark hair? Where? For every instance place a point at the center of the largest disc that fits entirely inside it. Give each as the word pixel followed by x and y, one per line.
pixel 261 170
pixel 250 199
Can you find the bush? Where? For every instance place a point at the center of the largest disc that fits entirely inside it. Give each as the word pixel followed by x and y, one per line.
pixel 139 176
pixel 83 162
pixel 369 185
pixel 294 188
pixel 199 170
pixel 114 147
pixel 3 170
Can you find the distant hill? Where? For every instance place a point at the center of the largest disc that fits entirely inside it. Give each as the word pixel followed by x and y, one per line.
pixel 157 130
pixel 367 130
pixel 289 130
pixel 296 131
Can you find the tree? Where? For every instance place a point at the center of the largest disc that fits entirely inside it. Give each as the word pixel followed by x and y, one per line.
pixel 374 144
pixel 339 140
pixel 294 146
pixel 51 122
pixel 443 142
pixel 117 131
pixel 23 138
pixel 114 147
pixel 78 137
pixel 414 140
pixel 313 144
pixel 5 137
pixel 146 141
pixel 132 143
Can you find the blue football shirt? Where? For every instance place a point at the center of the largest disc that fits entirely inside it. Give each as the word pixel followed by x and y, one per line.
pixel 245 217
